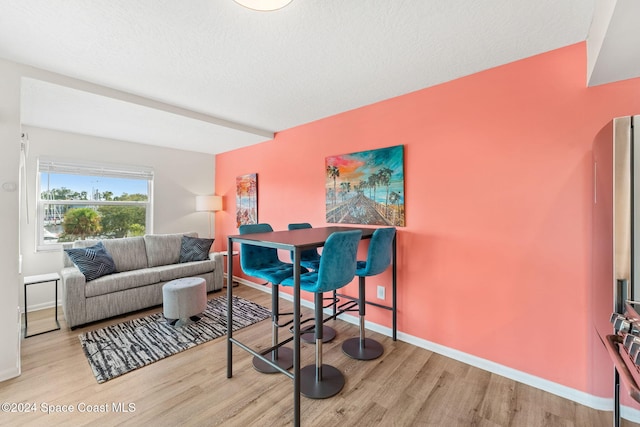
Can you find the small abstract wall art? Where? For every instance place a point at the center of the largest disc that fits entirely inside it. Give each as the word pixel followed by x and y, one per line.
pixel 247 199
pixel 366 187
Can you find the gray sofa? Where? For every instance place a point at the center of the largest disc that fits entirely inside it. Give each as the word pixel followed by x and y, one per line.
pixel 144 264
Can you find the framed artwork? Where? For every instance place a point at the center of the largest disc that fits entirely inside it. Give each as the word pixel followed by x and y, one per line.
pixel 366 187
pixel 247 199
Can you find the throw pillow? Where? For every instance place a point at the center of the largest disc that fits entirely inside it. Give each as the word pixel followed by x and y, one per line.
pixel 194 249
pixel 93 261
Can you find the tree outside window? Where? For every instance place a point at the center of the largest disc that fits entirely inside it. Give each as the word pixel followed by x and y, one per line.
pixel 77 206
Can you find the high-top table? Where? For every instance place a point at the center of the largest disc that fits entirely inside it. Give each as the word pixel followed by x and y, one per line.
pixel 294 241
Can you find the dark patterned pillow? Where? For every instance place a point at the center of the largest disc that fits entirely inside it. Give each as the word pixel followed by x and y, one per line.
pixel 93 261
pixel 194 249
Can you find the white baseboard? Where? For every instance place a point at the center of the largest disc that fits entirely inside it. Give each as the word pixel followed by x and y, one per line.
pixel 630 414
pixel 586 399
pixel 42 306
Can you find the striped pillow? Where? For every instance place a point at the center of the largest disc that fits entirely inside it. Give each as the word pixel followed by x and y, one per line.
pixel 194 249
pixel 93 261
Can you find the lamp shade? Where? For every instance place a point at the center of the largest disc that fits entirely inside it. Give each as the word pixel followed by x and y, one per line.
pixel 208 203
pixel 263 5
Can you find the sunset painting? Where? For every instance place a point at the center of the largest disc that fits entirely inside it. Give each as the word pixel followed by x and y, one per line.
pixel 246 199
pixel 366 187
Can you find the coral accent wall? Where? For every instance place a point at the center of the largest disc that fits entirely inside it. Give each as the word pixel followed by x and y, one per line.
pixel 495 260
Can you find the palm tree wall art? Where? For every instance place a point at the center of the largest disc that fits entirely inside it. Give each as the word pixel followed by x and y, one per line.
pixel 366 187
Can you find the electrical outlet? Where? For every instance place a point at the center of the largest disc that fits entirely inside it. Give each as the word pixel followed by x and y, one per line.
pixel 381 292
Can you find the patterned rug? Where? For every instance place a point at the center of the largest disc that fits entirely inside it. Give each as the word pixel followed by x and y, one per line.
pixel 118 349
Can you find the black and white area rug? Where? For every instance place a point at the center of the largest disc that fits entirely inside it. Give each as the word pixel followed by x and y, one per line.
pixel 121 348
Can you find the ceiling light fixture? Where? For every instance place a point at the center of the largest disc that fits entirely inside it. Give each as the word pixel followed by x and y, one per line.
pixel 263 5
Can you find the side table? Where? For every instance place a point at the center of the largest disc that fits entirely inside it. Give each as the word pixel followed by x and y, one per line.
pixel 33 280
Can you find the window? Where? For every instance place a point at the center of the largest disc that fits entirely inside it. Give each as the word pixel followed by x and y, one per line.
pixel 78 201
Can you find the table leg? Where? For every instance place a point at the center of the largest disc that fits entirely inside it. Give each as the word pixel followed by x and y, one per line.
pixel 616 398
pixel 296 337
pixel 25 311
pixel 394 270
pixel 56 304
pixel 229 309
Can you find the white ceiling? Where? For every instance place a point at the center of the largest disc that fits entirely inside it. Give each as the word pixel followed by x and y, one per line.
pixel 210 75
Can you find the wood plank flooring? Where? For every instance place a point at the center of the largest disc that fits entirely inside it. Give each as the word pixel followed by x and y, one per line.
pixel 407 386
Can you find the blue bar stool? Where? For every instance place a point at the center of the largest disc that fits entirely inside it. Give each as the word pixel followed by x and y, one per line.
pixel 264 263
pixel 337 269
pixel 378 259
pixel 311 260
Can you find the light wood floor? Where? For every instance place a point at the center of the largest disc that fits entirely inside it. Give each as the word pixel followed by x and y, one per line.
pixel 407 386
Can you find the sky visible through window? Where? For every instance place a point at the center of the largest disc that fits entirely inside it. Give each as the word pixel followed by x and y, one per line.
pixel 92 184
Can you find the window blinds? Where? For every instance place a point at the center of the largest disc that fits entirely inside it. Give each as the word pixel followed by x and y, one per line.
pixel 49 165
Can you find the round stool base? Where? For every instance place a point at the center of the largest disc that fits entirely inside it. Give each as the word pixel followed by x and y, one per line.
pixel 330 385
pixel 328 334
pixel 371 349
pixel 285 361
pixel 178 323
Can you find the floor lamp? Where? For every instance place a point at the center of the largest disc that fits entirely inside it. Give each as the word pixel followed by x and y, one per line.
pixel 209 204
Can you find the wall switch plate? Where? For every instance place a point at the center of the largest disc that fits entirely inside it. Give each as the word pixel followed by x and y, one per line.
pixel 380 292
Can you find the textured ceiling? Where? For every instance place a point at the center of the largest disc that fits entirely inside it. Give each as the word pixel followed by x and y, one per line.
pixel 268 71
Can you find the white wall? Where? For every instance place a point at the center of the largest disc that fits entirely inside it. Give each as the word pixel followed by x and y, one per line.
pixel 10 280
pixel 178 177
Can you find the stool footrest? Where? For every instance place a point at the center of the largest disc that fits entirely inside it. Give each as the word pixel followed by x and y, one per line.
pixel 287 323
pixel 347 306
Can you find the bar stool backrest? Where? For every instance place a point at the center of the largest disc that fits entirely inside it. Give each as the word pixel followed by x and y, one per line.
pixel 309 258
pixel 256 257
pixel 379 254
pixel 338 262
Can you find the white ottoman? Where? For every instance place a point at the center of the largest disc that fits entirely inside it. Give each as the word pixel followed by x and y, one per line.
pixel 183 299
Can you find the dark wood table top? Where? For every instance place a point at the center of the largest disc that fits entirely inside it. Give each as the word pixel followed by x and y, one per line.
pixel 300 238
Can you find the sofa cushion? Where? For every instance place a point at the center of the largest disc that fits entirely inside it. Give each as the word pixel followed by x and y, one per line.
pixel 164 249
pixel 122 281
pixel 194 249
pixel 177 271
pixel 93 262
pixel 128 253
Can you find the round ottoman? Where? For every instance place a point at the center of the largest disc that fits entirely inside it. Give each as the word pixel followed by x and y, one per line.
pixel 183 299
